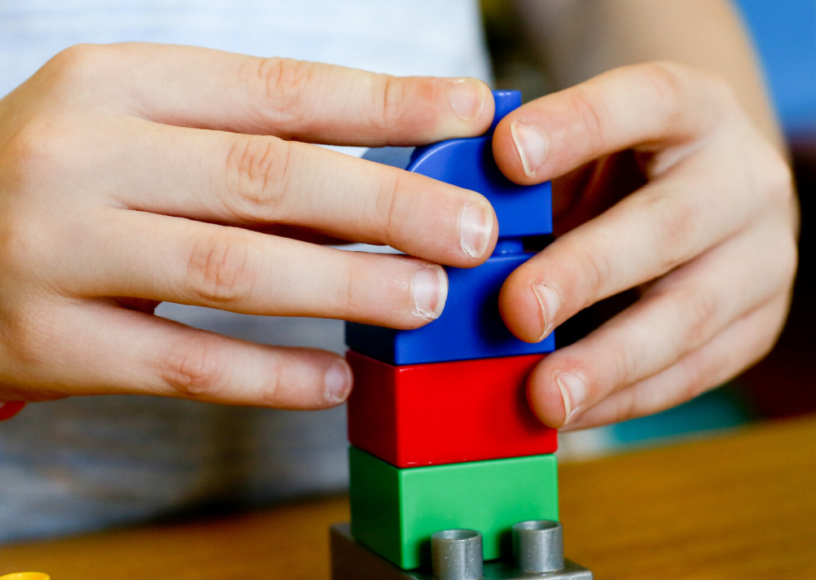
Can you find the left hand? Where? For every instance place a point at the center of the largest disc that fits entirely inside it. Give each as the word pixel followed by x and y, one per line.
pixel 660 177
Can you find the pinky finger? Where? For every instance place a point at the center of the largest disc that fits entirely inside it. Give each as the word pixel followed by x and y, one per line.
pixel 112 350
pixel 733 350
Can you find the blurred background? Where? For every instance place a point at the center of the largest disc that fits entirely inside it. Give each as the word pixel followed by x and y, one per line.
pixel 225 457
pixel 784 384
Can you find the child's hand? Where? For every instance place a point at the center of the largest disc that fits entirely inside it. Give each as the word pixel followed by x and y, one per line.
pixel 132 174
pixel 711 221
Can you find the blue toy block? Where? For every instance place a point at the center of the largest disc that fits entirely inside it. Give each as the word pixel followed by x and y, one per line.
pixel 470 327
pixel 468 163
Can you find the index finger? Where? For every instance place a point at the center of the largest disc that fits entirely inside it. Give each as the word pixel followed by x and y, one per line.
pixel 291 99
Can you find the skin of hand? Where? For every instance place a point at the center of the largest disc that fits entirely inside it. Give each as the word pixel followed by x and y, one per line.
pixel 661 181
pixel 132 174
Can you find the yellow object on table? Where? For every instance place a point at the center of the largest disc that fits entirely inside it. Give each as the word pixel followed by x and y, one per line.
pixel 26 576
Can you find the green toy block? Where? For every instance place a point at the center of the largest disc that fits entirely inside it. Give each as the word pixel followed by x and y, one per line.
pixel 395 511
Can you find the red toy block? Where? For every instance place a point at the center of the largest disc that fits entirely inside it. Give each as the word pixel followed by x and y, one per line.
pixel 451 412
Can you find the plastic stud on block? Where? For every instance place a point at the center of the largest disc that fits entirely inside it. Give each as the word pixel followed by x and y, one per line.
pixel 457 555
pixel 395 511
pixel 451 412
pixel 538 546
pixel 350 560
pixel 26 576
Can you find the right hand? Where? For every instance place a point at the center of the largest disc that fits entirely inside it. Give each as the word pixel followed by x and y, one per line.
pixel 133 174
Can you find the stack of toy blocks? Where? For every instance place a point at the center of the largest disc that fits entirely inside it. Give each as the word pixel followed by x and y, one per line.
pixel 443 439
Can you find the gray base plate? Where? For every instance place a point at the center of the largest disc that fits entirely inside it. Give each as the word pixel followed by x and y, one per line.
pixel 351 561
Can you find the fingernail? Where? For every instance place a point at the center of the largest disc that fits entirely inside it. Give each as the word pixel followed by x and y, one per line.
pixel 430 292
pixel 573 392
pixel 531 145
pixel 338 382
pixel 548 304
pixel 466 97
pixel 475 229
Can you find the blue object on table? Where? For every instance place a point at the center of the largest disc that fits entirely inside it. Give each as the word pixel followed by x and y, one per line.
pixel 470 327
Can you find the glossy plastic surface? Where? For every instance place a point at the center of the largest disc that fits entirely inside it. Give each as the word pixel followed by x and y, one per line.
pixel 468 163
pixel 395 511
pixel 470 326
pixel 352 561
pixel 450 412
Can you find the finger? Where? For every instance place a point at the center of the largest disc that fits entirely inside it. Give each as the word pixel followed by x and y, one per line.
pixel 705 199
pixel 155 257
pixel 648 106
pixel 732 351
pixel 196 87
pixel 679 314
pixel 111 350
pixel 241 179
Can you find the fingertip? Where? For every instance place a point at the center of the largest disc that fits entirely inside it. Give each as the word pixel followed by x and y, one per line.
pixel 556 396
pixel 468 98
pixel 521 308
pixel 469 105
pixel 430 292
pixel 337 382
pixel 478 232
pixel 546 402
pixel 519 150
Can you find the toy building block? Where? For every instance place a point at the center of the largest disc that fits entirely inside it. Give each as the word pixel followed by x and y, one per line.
pixel 468 163
pixel 471 313
pixel 450 412
pixel 395 511
pixel 350 560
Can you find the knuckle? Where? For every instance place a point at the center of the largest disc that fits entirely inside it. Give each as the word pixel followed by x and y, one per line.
pixel 664 79
pixel 257 174
pixel 588 108
pixel 272 385
pixel 700 312
pixel 79 64
pixel 21 247
pixel 284 83
pixel 701 372
pixel 674 223
pixel 34 335
pixel 632 406
pixel 392 97
pixel 193 368
pixel 595 272
pixel 386 208
pixel 219 270
pixel 350 299
pixel 626 366
pixel 779 181
pixel 696 380
pixel 721 90
pixel 39 147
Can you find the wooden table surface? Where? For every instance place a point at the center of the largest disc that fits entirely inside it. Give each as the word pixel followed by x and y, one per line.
pixel 739 506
